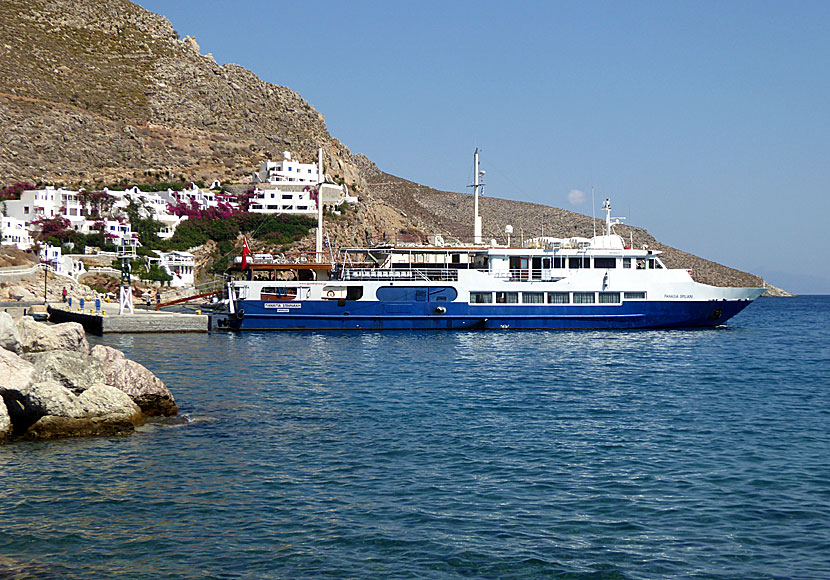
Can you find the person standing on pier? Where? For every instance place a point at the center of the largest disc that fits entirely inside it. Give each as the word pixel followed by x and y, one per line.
pixel 63 294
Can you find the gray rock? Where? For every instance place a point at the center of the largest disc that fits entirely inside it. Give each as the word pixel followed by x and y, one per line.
pixel 22 294
pixel 37 337
pixel 74 370
pixel 14 371
pixel 49 410
pixel 9 336
pixel 5 422
pixel 43 398
pixel 61 395
pixel 147 390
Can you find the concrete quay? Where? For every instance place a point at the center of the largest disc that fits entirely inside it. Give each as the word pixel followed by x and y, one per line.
pixel 142 321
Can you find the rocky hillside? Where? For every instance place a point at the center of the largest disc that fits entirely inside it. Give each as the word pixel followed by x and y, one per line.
pixel 95 91
pixel 98 90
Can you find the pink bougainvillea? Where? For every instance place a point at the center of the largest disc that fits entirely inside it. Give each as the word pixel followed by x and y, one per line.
pixel 14 191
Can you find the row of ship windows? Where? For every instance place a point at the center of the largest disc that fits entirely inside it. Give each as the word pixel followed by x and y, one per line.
pixel 553 297
pixel 517 262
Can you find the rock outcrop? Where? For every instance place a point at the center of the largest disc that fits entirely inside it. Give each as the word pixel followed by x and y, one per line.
pixel 134 379
pixel 9 336
pixel 100 90
pixel 96 91
pixel 37 337
pixel 56 388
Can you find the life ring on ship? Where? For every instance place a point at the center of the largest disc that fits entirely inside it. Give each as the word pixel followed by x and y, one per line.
pixel 330 294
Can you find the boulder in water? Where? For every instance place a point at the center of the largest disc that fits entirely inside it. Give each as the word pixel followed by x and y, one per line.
pixel 56 388
pixel 147 390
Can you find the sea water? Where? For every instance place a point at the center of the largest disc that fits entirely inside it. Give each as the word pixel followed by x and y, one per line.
pixel 635 454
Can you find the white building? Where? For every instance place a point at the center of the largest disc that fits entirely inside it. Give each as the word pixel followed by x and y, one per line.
pixel 151 205
pixel 180 265
pixel 288 187
pixel 121 234
pixel 60 264
pixel 292 199
pixel 288 171
pixel 35 204
pixel 16 234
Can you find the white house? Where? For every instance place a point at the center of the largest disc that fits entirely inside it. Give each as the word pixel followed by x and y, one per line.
pixel 288 171
pixel 292 199
pixel 35 204
pixel 180 265
pixel 16 234
pixel 287 186
pixel 121 234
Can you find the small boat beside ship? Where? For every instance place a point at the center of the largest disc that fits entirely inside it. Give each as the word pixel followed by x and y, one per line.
pixel 547 283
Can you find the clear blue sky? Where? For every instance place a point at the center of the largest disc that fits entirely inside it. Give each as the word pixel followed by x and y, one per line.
pixel 705 122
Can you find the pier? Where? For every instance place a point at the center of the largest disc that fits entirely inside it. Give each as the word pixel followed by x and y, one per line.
pixel 141 321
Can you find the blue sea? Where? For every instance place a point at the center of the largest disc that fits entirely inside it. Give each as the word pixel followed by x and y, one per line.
pixel 585 455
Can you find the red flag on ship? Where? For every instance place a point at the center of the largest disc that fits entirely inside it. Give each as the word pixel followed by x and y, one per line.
pixel 245 251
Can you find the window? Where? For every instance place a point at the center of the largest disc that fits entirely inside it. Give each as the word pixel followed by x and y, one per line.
pixel 286 196
pixel 559 298
pixel 635 295
pixel 579 262
pixel 533 297
pixel 354 292
pixel 277 293
pixel 583 297
pixel 627 263
pixel 507 297
pixel 559 262
pixel 609 297
pixel 536 268
pixel 481 297
pixel 605 262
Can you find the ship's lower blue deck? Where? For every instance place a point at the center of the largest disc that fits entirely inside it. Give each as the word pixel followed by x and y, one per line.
pixel 374 315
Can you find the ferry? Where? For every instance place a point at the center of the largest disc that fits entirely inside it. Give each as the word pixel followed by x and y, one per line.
pixel 546 283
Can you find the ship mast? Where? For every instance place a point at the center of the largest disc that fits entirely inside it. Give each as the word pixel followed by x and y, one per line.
pixel 609 221
pixel 476 186
pixel 319 245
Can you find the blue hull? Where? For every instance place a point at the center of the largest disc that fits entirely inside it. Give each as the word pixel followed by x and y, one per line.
pixel 373 315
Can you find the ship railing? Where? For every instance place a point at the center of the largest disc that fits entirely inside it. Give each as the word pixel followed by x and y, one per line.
pixel 427 274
